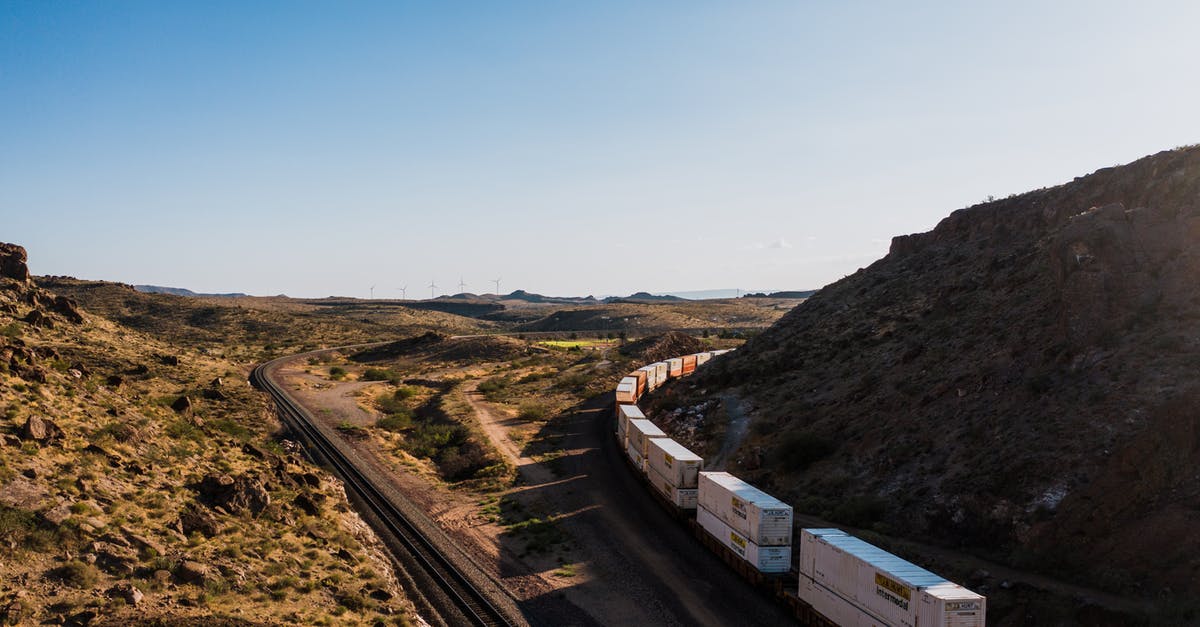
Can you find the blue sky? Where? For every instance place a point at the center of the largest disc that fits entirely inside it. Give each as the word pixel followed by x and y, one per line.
pixel 317 148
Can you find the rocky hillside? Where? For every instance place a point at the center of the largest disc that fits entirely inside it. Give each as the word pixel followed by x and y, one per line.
pixel 142 482
pixel 1021 381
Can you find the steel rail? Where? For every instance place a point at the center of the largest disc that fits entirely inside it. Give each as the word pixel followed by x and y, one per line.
pixel 452 582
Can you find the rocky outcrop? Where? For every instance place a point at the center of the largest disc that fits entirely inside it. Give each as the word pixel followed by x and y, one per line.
pixel 13 263
pixel 244 493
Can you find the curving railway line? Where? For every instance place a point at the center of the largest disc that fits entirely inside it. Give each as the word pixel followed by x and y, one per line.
pixel 447 592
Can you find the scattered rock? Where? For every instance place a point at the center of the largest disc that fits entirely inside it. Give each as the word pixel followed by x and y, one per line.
pixel 195 520
pixel 80 619
pixel 41 430
pixel 9 439
pixel 169 360
pixel 234 495
pixel 308 504
pixel 57 515
pixel 114 380
pixel 143 542
pixel 36 318
pixel 192 572
pixel 15 613
pixel 126 591
pixel 115 559
pixel 139 369
pixel 213 394
pixel 66 308
pixel 161 577
pixel 31 473
pixel 182 404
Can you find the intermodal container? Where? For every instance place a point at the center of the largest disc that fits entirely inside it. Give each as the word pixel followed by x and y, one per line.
pixel 640 377
pixel 640 434
pixel 683 498
pixel 625 413
pixel 651 377
pixel 892 590
pixel 639 462
pixel 702 358
pixel 766 520
pixel 661 370
pixel 689 364
pixel 627 390
pixel 768 559
pixel 675 367
pixel 837 610
pixel 679 466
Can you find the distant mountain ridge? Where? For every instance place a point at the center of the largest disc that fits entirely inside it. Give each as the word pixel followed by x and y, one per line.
pixel 179 291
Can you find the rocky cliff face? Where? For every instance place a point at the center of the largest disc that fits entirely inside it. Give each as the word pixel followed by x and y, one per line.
pixel 1020 380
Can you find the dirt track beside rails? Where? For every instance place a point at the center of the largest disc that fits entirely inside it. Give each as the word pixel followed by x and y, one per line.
pixel 635 564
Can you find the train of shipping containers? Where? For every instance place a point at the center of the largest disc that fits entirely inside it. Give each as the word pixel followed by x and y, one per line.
pixel 702 358
pixel 767 559
pixel 627 391
pixel 651 377
pixel 639 435
pixel 675 367
pixel 689 364
pixel 625 413
pixel 674 471
pixel 835 565
pixel 661 371
pixel 640 377
pixel 762 518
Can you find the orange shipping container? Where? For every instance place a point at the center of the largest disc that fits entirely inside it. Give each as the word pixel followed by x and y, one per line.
pixel 689 364
pixel 640 375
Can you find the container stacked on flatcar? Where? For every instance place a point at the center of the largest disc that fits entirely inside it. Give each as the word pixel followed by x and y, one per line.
pixel 627 391
pixel 842 580
pixel 625 413
pixel 853 582
pixel 638 441
pixel 674 471
pixel 753 524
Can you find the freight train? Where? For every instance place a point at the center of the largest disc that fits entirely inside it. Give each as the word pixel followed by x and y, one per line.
pixel 834 578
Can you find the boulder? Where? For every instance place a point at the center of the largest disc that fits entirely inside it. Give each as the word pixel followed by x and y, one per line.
pixel 66 308
pixel 234 495
pixel 13 263
pixel 183 404
pixel 126 591
pixel 115 559
pixel 195 520
pixel 41 430
pixel 189 571
pixel 37 318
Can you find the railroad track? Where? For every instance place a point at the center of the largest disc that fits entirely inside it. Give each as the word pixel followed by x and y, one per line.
pixel 465 597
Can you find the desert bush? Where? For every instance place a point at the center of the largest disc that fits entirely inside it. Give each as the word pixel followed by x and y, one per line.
pixel 532 411
pixel 337 372
pixel 396 422
pixel 381 374
pixel 77 574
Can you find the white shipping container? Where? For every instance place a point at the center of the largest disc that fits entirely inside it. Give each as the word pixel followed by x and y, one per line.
pixel 702 358
pixel 768 559
pixel 951 605
pixel 837 610
pixel 882 584
pixel 625 413
pixel 683 498
pixel 674 462
pixel 763 518
pixel 627 390
pixel 640 434
pixel 675 367
pixel 638 461
pixel 661 368
pixel 651 377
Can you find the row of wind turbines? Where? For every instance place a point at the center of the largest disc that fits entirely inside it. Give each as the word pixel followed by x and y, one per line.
pixel 462 287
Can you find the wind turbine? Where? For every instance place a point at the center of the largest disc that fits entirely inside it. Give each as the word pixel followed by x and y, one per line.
pixel 403 291
pixel 497 282
pixel 432 286
pixel 372 292
pixel 462 287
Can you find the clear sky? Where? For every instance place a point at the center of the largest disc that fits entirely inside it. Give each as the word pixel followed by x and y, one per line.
pixel 317 148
